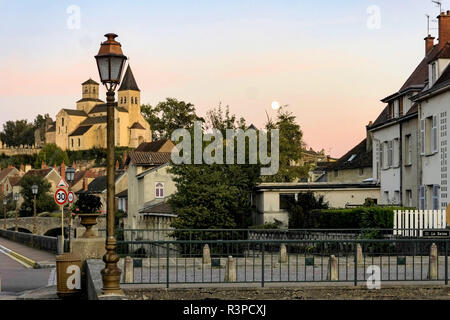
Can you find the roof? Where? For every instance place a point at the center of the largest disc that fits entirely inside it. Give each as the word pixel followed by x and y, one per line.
pixel 52 128
pixel 98 185
pixel 128 81
pixel 93 120
pixel 148 158
pixel 123 194
pixel 153 146
pixel 80 131
pixel 137 125
pixel 79 175
pixel 90 99
pixel 161 208
pixel 314 186
pixel 39 172
pixel 90 81
pixel 14 180
pixel 358 157
pixel 5 172
pixel 103 108
pixel 73 112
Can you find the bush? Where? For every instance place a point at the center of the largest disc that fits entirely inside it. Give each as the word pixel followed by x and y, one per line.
pixel 87 203
pixel 300 210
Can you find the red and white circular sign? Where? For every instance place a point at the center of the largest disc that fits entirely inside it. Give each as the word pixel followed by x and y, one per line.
pixel 61 196
pixel 70 197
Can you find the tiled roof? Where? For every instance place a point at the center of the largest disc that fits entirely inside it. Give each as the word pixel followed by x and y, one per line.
pixel 148 158
pixel 153 146
pixel 162 207
pixel 14 180
pixel 80 131
pixel 39 172
pixel 358 157
pixel 90 99
pixel 52 128
pixel 128 81
pixel 90 81
pixel 137 125
pixel 103 108
pixel 123 194
pixel 73 112
pixel 93 120
pixel 99 183
pixel 79 175
pixel 5 172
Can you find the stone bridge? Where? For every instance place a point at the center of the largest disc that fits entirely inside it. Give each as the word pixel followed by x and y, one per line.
pixel 46 226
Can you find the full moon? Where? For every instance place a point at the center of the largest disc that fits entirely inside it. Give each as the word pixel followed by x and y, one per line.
pixel 275 105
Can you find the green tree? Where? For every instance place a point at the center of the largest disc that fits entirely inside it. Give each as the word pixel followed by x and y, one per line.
pixel 300 209
pixel 290 148
pixel 52 155
pixel 217 195
pixel 16 133
pixel 168 116
pixel 44 201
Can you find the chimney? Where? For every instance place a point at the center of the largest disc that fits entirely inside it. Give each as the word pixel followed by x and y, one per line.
pixel 429 43
pixel 85 184
pixel 444 28
pixel 63 171
pixel 43 165
pixel 117 165
pixel 27 168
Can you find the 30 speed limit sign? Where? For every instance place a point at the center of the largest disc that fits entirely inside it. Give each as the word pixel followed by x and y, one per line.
pixel 61 197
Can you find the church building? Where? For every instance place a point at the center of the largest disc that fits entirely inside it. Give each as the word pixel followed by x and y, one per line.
pixel 85 127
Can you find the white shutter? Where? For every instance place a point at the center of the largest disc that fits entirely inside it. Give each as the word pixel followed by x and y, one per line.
pixel 381 156
pixel 422 137
pixel 434 135
pixel 422 198
pixel 390 151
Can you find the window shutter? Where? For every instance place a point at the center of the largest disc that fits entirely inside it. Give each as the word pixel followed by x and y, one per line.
pixel 435 197
pixel 390 151
pixel 434 135
pixel 422 137
pixel 381 156
pixel 422 198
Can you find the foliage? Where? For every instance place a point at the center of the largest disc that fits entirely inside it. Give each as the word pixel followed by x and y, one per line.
pixel 216 196
pixel 97 154
pixel 217 119
pixel 10 205
pixel 290 148
pixel 17 160
pixel 87 203
pixel 16 133
pixel 268 225
pixel 168 116
pixel 300 210
pixel 52 155
pixel 44 201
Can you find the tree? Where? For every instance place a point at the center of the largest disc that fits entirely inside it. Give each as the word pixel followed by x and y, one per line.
pixel 16 133
pixel 216 195
pixel 168 116
pixel 300 209
pixel 44 201
pixel 52 155
pixel 290 148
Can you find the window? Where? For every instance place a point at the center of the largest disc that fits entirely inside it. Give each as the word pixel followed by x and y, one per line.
pixel 400 107
pixel 408 150
pixel 121 100
pixel 396 153
pixel 422 198
pixel 409 200
pixel 79 142
pixel 433 73
pixel 390 153
pixel 435 197
pixel 122 204
pixel 381 155
pixel 422 137
pixel 159 190
pixel 72 142
pixel 396 197
pixel 62 122
pixel 434 135
pixel 386 197
pixel 285 200
pixel 430 135
pixel 124 99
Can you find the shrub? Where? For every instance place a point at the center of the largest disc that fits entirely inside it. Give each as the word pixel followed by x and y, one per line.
pixel 87 203
pixel 300 210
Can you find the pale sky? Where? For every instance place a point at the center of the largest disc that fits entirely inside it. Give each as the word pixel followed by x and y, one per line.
pixel 330 61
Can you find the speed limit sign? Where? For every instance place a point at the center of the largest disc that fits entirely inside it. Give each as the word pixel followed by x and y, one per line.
pixel 70 197
pixel 61 197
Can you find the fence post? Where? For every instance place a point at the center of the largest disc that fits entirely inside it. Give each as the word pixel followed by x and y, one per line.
pixel 206 254
pixel 262 266
pixel 432 264
pixel 129 270
pixel 332 274
pixel 167 264
pixel 283 253
pixel 230 270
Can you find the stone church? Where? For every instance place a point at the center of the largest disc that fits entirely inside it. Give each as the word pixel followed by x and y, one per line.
pixel 85 127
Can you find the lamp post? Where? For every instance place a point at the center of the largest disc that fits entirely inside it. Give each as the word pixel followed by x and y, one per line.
pixel 16 198
pixel 70 176
pixel 110 62
pixel 34 189
pixel 5 202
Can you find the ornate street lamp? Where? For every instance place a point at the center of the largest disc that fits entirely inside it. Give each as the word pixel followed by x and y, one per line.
pixel 34 189
pixel 16 198
pixel 110 63
pixel 5 202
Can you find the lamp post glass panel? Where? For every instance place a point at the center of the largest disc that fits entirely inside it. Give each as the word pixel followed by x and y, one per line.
pixel 5 202
pixel 110 63
pixel 34 189
pixel 16 198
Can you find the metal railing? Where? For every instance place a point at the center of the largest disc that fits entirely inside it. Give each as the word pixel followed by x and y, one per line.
pixel 265 261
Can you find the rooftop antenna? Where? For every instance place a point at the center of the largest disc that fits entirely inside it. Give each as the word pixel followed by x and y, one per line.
pixel 428 23
pixel 439 4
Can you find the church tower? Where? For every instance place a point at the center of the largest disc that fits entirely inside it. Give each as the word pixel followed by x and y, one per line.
pixel 89 96
pixel 130 96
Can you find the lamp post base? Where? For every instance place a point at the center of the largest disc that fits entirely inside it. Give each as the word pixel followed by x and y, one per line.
pixel 111 274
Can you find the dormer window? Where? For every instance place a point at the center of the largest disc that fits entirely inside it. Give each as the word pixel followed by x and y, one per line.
pixel 433 73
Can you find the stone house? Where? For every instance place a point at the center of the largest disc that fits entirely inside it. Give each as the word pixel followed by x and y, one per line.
pixel 5 186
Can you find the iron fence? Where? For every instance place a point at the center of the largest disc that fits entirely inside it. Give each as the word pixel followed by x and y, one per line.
pixel 287 260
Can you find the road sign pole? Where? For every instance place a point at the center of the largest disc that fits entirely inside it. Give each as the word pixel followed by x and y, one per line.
pixel 62 228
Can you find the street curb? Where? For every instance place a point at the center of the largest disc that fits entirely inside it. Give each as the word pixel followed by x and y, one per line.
pixel 29 262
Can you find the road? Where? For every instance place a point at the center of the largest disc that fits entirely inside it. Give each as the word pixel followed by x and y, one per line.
pixel 16 278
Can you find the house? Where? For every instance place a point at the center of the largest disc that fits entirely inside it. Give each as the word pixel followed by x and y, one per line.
pixel 51 175
pixel 5 187
pixel 271 199
pixel 98 186
pixel 353 167
pixel 82 179
pixel 149 186
pixel 85 127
